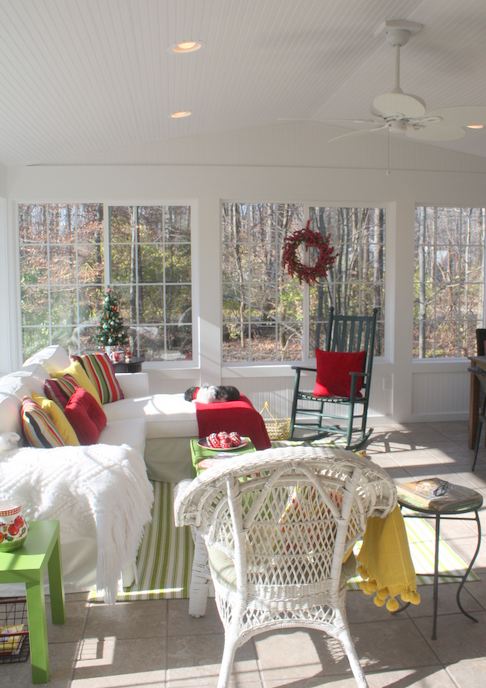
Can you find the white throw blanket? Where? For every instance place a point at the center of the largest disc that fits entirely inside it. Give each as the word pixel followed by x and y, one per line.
pixel 98 491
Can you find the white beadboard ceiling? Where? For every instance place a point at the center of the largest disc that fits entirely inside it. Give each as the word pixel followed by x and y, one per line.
pixel 82 80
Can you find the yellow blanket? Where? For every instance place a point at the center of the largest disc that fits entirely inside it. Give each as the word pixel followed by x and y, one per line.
pixel 385 564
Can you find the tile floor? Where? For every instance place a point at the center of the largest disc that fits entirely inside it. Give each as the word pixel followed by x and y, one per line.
pixel 155 644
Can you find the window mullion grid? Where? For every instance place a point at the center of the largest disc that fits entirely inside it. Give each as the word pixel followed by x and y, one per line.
pixel 249 294
pixel 135 219
pixel 77 288
pixel 306 323
pixel 164 281
pixel 434 336
pixel 278 323
pixel 483 231
pixel 461 282
pixel 107 244
pixel 49 281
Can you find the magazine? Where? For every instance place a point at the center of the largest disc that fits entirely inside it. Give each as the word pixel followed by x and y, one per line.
pixel 11 639
pixel 437 494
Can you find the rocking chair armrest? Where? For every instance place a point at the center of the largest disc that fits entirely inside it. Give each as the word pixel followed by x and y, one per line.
pixel 298 367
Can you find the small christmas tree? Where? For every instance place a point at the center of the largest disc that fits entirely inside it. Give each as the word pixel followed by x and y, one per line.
pixel 111 330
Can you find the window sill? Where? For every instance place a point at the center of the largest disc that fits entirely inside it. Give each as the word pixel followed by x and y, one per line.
pixel 266 370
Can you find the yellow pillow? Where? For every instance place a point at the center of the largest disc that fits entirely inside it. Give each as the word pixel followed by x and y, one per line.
pixel 78 373
pixel 56 414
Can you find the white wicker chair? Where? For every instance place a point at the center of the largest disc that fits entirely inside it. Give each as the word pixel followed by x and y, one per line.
pixel 277 525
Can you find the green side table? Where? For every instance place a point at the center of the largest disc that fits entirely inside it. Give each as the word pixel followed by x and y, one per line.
pixel 28 565
pixel 199 453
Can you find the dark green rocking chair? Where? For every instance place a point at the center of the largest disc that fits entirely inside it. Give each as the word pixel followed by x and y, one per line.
pixel 314 417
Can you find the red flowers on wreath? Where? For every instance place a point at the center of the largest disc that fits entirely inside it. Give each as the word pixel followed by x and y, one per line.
pixel 309 239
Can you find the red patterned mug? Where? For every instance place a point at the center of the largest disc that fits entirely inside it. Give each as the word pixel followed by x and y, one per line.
pixel 13 527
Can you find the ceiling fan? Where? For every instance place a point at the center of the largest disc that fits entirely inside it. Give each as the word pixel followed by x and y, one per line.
pixel 404 113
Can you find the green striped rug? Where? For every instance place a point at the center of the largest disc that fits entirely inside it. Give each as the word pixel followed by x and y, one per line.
pixel 165 556
pixel 164 559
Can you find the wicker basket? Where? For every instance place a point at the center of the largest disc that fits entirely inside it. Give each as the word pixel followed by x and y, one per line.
pixel 14 636
pixel 277 428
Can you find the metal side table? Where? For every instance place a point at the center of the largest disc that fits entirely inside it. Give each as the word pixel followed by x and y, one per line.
pixel 437 512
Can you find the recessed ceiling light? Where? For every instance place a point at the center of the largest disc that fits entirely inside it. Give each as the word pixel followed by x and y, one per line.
pixel 181 114
pixel 186 47
pixel 473 125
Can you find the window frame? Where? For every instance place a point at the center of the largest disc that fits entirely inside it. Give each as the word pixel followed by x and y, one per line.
pixel 436 360
pixel 194 362
pixel 276 367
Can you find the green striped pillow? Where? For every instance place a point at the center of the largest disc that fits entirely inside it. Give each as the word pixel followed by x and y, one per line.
pixel 39 430
pixel 101 373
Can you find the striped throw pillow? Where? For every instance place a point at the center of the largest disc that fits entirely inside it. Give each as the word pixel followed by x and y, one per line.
pixel 60 389
pixel 101 373
pixel 39 430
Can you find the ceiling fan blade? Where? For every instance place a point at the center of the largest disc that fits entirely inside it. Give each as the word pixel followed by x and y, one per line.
pixel 436 132
pixel 354 120
pixel 463 115
pixel 348 134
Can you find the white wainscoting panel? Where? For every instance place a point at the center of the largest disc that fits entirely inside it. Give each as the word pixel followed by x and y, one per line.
pixel 440 393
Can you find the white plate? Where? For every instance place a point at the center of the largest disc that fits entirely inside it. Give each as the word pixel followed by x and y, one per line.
pixel 205 444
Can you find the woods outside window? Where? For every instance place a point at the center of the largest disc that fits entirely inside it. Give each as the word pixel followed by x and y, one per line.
pixel 269 316
pixel 449 280
pixel 68 257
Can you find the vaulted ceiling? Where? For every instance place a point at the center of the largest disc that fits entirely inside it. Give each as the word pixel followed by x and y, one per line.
pixel 82 80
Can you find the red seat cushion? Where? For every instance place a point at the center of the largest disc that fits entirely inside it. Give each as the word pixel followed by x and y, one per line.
pixel 86 416
pixel 333 368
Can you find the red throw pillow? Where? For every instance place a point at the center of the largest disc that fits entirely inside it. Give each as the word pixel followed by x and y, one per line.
pixel 86 416
pixel 333 368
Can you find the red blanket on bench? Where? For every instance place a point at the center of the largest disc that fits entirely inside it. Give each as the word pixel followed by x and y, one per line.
pixel 233 416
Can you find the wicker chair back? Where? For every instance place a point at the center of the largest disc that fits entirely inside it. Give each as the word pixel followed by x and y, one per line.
pixel 277 525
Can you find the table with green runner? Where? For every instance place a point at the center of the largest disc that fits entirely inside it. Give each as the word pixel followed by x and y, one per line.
pixel 198 452
pixel 199 589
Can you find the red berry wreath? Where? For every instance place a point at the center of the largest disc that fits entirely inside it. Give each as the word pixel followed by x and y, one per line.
pixel 310 239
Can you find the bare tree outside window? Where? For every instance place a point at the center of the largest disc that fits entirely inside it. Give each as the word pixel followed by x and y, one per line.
pixel 63 270
pixel 356 282
pixel 269 316
pixel 150 268
pixel 262 305
pixel 449 280
pixel 61 274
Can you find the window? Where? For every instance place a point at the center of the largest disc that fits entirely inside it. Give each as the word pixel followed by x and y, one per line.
pixel 356 283
pixel 449 280
pixel 61 274
pixel 268 316
pixel 66 263
pixel 150 268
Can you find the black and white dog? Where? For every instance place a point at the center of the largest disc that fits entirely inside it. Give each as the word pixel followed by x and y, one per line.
pixel 206 394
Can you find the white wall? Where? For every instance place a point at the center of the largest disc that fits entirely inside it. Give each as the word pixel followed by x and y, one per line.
pixel 282 163
pixel 6 282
